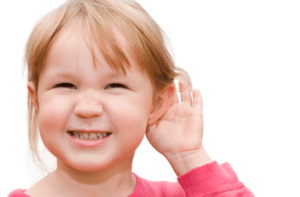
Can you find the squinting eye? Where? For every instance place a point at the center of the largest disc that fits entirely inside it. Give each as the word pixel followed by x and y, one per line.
pixel 116 85
pixel 65 85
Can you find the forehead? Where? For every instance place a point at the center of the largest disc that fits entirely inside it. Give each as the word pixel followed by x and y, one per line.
pixel 72 48
pixel 111 47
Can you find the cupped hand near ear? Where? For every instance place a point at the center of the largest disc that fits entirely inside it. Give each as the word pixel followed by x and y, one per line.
pixel 178 133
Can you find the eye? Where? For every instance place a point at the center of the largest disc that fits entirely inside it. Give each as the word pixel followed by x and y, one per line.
pixel 116 85
pixel 65 85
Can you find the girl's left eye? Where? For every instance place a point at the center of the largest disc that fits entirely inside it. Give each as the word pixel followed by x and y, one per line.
pixel 116 85
pixel 65 85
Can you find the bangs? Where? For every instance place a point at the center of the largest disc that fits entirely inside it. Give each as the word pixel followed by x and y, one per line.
pixel 101 34
pixel 121 37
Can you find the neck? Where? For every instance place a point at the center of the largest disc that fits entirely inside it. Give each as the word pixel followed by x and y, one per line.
pixel 116 180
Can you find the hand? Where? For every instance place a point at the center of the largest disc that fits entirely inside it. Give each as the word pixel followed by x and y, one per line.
pixel 178 134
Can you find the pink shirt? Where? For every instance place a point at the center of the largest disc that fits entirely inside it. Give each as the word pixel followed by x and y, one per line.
pixel 208 180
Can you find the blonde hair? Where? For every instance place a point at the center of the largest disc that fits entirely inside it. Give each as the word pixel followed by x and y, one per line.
pixel 99 18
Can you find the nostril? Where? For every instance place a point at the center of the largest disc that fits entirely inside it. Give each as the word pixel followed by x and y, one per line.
pixel 90 110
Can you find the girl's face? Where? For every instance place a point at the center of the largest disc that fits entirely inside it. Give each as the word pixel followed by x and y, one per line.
pixel 77 100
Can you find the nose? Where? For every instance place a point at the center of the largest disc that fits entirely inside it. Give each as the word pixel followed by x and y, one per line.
pixel 88 107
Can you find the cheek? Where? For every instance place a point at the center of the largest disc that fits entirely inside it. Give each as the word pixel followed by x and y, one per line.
pixel 52 116
pixel 132 114
pixel 125 114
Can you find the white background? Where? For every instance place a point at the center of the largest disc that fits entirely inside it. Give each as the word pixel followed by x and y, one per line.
pixel 242 55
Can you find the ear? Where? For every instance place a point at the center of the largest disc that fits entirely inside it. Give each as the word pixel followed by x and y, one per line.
pixel 163 102
pixel 33 95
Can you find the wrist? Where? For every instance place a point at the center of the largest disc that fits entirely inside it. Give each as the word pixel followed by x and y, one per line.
pixel 182 163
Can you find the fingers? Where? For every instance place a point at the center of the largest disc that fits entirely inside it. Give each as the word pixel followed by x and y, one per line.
pixel 175 99
pixel 185 92
pixel 197 99
pixel 186 95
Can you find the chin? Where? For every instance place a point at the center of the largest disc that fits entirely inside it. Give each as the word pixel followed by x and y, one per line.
pixel 85 167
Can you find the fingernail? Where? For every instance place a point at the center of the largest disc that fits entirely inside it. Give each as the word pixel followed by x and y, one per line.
pixel 196 92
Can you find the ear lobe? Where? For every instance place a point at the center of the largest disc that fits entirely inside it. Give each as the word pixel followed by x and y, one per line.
pixel 33 95
pixel 163 102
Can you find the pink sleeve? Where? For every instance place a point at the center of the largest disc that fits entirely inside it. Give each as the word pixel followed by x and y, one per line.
pixel 213 180
pixel 18 193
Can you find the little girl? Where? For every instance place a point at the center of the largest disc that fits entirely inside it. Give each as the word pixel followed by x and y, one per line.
pixel 99 79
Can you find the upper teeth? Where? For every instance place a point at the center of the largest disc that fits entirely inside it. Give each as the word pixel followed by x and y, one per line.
pixel 88 136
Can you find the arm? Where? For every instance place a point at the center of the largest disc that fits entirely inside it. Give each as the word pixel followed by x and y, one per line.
pixel 185 162
pixel 178 136
pixel 213 180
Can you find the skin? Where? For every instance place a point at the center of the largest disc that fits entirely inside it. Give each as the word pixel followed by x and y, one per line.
pixel 182 123
pixel 90 102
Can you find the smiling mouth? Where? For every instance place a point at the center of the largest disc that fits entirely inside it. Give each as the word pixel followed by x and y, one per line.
pixel 89 135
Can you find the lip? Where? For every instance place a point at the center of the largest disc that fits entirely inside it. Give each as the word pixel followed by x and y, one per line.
pixel 88 143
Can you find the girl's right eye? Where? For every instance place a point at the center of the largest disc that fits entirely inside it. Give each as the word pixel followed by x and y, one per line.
pixel 65 85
